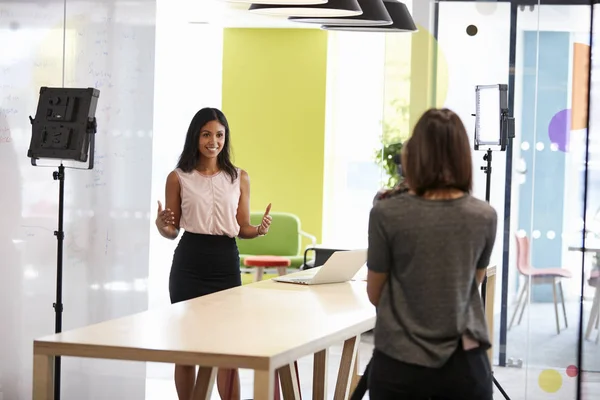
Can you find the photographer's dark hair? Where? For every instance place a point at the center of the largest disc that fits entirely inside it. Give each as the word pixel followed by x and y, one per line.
pixel 188 160
pixel 438 154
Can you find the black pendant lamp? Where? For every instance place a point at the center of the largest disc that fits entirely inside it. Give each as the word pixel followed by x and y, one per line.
pixel 333 8
pixel 281 2
pixel 402 21
pixel 374 13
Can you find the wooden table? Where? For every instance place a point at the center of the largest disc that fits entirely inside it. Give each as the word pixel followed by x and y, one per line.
pixel 278 322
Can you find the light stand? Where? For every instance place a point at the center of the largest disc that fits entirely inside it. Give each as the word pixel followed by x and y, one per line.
pixel 492 107
pixel 487 169
pixel 64 128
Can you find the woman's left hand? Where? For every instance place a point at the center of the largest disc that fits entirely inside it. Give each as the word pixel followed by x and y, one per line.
pixel 263 228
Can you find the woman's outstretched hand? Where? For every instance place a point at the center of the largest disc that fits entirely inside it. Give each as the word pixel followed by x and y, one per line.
pixel 266 222
pixel 164 217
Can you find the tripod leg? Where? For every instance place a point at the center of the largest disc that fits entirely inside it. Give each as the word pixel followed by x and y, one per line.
pixel 362 386
pixel 500 389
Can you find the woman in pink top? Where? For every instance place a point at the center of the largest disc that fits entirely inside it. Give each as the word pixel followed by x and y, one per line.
pixel 209 198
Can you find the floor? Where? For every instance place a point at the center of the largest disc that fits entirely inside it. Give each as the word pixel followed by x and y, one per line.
pixel 518 383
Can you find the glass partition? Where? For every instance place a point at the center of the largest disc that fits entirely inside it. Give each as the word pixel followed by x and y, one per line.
pixel 544 187
pixel 108 46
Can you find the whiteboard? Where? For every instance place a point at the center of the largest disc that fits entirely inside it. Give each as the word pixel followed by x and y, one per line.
pixel 108 45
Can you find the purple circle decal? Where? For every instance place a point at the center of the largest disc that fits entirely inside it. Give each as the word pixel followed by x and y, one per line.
pixel 560 129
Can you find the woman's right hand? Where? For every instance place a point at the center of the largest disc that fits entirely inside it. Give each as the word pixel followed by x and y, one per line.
pixel 164 217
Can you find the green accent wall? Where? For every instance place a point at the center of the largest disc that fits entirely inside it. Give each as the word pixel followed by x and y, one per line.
pixel 274 88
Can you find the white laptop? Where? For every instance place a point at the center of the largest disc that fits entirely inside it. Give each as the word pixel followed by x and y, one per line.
pixel 341 266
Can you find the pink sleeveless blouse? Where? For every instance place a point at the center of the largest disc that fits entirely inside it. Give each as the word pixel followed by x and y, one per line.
pixel 209 203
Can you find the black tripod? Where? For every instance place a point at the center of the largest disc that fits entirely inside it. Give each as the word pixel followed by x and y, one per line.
pixel 60 236
pixel 64 128
pixel 487 169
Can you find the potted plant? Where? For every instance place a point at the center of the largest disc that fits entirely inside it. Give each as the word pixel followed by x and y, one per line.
pixel 384 157
pixel 395 127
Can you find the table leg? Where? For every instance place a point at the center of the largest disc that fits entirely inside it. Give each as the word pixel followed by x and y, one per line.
pixel 289 382
pixel 264 384
pixel 342 387
pixel 43 377
pixel 355 377
pixel 320 375
pixel 205 382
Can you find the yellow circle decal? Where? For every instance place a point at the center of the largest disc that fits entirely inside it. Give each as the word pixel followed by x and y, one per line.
pixel 550 381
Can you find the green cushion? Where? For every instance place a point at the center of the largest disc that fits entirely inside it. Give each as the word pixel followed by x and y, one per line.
pixel 283 239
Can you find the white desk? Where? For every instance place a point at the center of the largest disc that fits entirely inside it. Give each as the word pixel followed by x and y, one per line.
pixel 279 322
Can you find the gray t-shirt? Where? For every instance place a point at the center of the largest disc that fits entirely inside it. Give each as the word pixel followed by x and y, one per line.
pixel 431 250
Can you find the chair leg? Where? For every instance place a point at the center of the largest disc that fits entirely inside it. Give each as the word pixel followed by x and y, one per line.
pixel 520 299
pixel 259 274
pixel 525 301
pixel 555 306
pixel 281 271
pixel 597 300
pixel 562 299
pixel 594 315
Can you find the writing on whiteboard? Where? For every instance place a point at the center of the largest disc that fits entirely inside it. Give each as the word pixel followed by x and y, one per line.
pixel 5 135
pixel 106 242
pixel 98 177
pixel 8 111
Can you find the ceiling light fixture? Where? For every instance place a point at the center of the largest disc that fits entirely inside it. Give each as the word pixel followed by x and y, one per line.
pixel 402 21
pixel 374 14
pixel 333 8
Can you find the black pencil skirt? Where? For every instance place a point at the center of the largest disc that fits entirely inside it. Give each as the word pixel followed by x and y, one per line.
pixel 203 264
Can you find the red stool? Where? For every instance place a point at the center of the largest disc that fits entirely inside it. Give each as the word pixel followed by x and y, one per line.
pixel 262 262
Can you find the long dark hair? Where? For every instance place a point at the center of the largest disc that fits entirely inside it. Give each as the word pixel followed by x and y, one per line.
pixel 188 160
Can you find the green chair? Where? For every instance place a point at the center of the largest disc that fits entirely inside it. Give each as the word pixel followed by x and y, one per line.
pixel 284 239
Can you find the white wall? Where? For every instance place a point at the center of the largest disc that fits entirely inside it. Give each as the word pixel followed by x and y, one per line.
pixel 188 77
pixel 354 113
pixel 110 46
